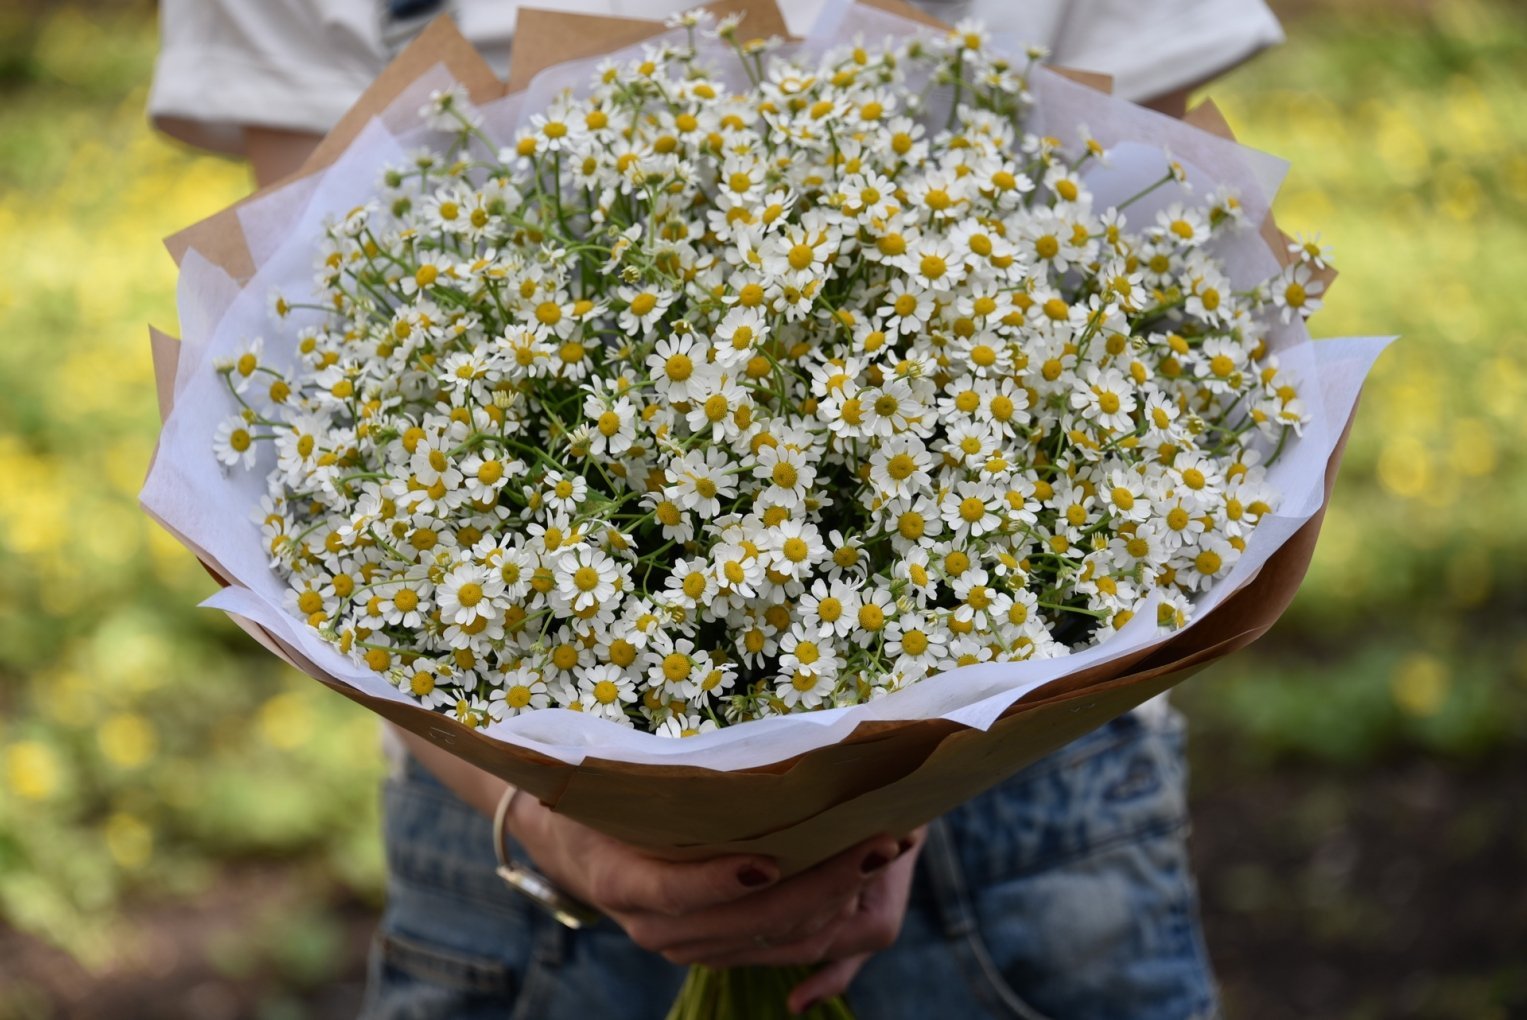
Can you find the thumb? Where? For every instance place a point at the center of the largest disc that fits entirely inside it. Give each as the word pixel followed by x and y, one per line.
pixel 832 979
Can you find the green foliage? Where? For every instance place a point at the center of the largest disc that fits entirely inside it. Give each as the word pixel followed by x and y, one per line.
pixel 143 740
pixel 1409 155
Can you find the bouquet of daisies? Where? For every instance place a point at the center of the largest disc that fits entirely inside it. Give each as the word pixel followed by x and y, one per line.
pixel 846 407
pixel 692 406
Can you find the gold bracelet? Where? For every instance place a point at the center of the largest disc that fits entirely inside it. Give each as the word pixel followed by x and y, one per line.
pixel 531 883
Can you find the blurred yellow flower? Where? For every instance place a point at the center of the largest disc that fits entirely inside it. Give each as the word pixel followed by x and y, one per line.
pixel 128 839
pixel 1420 684
pixel 32 770
pixel 1516 177
pixel 1472 126
pixel 1403 149
pixel 1474 448
pixel 286 721
pixel 1405 467
pixel 128 740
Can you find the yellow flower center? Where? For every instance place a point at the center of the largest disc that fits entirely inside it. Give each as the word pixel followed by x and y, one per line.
pixel 675 667
pixel 679 367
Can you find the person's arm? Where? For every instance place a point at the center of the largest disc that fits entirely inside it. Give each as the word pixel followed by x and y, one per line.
pixel 274 153
pixel 715 911
pixel 1173 104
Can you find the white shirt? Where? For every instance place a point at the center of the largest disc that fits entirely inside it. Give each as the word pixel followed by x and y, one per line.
pixel 300 64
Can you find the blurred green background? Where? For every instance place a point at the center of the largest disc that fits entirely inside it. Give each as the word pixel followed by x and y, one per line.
pixel 188 830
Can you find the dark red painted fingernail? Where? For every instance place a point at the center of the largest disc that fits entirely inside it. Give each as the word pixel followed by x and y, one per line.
pixel 873 863
pixel 903 845
pixel 809 1005
pixel 752 876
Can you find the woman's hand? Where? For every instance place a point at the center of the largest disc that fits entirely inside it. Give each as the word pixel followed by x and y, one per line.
pixel 870 923
pixel 734 910
pixel 722 912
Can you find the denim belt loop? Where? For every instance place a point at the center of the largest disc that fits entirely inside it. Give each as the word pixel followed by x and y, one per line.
pixel 948 882
pixel 551 942
pixel 951 899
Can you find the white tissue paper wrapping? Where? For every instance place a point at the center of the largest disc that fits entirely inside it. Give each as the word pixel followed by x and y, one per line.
pixel 210 506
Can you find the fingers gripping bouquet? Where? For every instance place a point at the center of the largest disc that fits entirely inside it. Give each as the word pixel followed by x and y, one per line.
pixel 846 407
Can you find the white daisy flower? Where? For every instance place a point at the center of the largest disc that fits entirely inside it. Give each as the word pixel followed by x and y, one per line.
pixel 234 442
pixel 522 690
pixel 469 592
pixel 605 691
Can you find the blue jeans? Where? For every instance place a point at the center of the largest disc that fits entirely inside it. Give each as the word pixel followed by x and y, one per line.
pixel 1061 893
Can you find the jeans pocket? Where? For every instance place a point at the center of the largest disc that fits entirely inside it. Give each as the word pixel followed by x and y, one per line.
pixel 454 940
pixel 1069 886
pixel 1114 934
pixel 443 966
pixel 954 907
pixel 413 979
pixel 1121 783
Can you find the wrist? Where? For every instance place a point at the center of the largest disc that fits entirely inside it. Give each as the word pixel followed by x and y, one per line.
pixel 519 820
pixel 525 879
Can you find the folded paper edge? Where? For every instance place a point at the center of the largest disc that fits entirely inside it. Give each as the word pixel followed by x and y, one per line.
pixel 165 351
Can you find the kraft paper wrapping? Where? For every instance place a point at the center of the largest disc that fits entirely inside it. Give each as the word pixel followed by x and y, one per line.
pixel 807 787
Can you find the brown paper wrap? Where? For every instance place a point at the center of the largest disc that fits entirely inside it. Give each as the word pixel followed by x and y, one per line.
pixel 886 776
